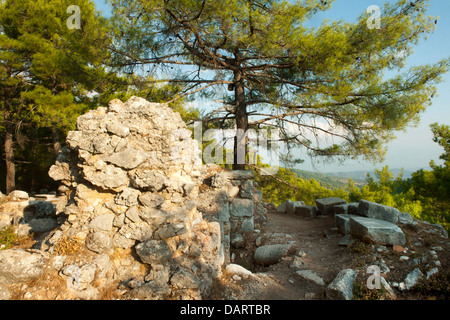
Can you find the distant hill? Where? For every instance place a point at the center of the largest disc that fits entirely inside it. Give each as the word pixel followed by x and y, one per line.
pixel 362 175
pixel 337 180
pixel 329 181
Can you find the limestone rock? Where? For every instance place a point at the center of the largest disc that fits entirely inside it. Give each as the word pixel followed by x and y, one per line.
pixel 153 252
pixel 306 211
pixel 148 180
pixel 151 200
pixel 237 269
pixel 378 211
pixel 241 208
pixel 341 288
pixel 98 242
pixel 42 225
pixel 326 205
pixel 5 294
pixel 271 254
pixel 343 222
pixel 151 291
pixel 413 278
pixel 183 279
pixel 292 205
pixel 110 177
pixel 102 223
pixel 127 159
pixel 310 276
pixel 376 231
pixel 134 183
pixel 282 208
pixel 18 194
pixel 19 266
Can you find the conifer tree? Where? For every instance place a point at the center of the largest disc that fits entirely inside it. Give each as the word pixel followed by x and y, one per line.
pixel 49 67
pixel 324 87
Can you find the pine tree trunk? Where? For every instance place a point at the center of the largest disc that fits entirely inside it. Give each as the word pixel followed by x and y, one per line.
pixel 9 155
pixel 240 140
pixel 56 142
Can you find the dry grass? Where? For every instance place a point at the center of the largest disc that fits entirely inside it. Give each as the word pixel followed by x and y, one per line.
pixel 67 246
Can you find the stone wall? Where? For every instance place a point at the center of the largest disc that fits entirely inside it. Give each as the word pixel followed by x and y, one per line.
pixel 231 197
pixel 132 180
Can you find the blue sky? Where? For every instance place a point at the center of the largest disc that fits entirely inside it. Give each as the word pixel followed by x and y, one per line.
pixel 414 148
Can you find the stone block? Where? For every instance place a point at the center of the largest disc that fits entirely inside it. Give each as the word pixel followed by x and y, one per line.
pixel 347 208
pixel 240 175
pixel 247 224
pixel 378 211
pixel 290 207
pixel 376 231
pixel 241 208
pixel 343 222
pixel 306 211
pixel 326 205
pixel 283 207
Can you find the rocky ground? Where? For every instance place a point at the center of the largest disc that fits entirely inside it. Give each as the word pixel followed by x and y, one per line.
pixel 312 259
pixel 316 250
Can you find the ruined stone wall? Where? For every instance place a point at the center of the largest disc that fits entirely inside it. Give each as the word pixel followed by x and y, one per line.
pixel 231 197
pixel 131 175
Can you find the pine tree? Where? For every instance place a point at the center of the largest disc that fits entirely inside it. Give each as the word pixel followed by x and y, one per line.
pixel 325 88
pixel 49 71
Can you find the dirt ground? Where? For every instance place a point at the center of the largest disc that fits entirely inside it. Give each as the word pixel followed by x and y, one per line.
pixel 319 239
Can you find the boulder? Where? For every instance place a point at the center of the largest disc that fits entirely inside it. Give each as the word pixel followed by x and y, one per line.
pixel 326 205
pixel 271 254
pixel 378 211
pixel 413 278
pixel 341 288
pixel 376 231
pixel 19 265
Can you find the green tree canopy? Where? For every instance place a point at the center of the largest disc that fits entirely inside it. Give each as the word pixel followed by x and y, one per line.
pixel 339 89
pixel 48 71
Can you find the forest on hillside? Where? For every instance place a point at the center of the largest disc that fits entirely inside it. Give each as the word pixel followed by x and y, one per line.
pixel 323 89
